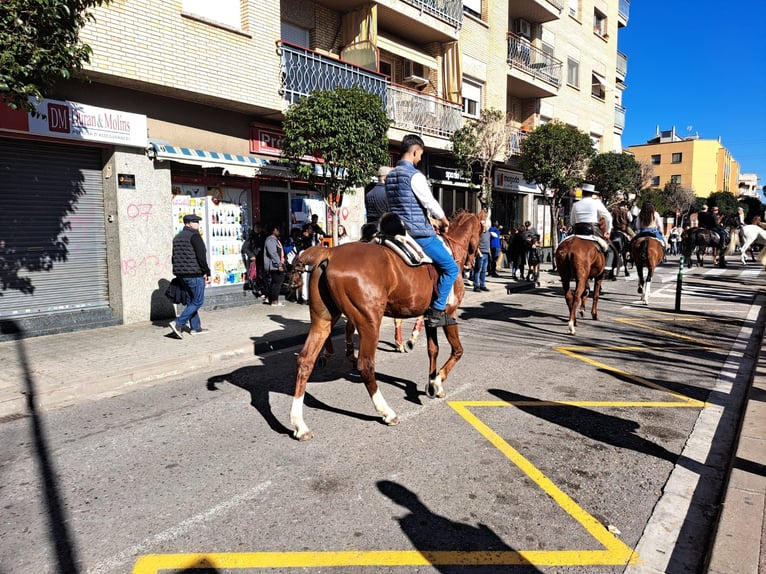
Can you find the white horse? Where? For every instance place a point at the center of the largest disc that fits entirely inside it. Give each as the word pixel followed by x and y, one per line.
pixel 749 235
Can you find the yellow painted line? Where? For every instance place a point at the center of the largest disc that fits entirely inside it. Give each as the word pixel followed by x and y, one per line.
pixel 638 323
pixel 682 398
pixel 617 552
pixel 592 404
pixel 153 563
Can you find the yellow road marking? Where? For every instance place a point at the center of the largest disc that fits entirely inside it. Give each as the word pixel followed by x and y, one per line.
pixel 616 552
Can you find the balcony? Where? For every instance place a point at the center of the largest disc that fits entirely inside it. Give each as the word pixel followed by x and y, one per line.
pixel 622 66
pixel 533 73
pixel 422 114
pixel 304 71
pixel 619 118
pixel 514 141
pixel 537 11
pixel 449 11
pixel 623 13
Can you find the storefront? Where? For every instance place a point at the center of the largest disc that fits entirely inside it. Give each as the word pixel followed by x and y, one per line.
pixel 53 220
pixel 452 187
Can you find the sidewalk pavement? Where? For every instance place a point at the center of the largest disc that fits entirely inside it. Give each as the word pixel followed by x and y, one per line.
pixel 69 368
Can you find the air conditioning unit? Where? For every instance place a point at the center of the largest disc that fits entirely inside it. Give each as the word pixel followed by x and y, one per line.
pixel 415 74
pixel 522 28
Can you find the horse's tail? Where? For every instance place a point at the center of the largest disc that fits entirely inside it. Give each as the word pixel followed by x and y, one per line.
pixel 735 237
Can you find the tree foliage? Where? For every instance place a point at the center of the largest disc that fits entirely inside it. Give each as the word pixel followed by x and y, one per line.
pixel 614 175
pixel 39 46
pixel 725 201
pixel 677 198
pixel 481 142
pixel 346 128
pixel 554 156
pixel 753 206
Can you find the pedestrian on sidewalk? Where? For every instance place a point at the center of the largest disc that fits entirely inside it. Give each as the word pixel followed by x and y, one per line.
pixel 495 253
pixel 189 260
pixel 274 260
pixel 482 259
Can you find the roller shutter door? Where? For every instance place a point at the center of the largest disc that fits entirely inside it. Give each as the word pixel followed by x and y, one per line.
pixel 52 230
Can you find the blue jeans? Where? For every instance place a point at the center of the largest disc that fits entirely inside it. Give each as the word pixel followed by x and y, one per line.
pixel 196 286
pixel 445 264
pixel 480 271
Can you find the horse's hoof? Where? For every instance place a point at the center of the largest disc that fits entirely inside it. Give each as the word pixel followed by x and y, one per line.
pixel 393 422
pixel 434 391
pixel 308 435
pixel 640 290
pixel 400 349
pixel 410 345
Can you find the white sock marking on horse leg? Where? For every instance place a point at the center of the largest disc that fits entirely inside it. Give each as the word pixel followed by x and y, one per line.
pixel 382 407
pixel 296 418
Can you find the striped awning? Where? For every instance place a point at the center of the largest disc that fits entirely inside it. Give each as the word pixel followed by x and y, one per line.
pixel 245 165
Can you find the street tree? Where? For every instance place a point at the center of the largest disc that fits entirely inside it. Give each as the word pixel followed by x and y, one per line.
pixel 615 175
pixel 345 129
pixel 677 199
pixel 753 206
pixel 39 46
pixel 554 157
pixel 480 143
pixel 725 201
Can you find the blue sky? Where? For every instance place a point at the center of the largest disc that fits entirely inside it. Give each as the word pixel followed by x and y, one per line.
pixel 701 67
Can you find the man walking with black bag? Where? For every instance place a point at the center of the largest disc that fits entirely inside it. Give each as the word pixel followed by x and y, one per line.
pixel 190 265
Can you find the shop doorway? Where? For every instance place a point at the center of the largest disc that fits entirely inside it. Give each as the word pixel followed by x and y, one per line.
pixel 275 210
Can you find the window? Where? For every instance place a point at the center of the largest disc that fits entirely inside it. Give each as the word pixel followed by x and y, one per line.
pixel 656 159
pixel 574 9
pixel 573 73
pixel 226 12
pixel 675 179
pixel 295 35
pixel 598 87
pixel 599 24
pixel 656 181
pixel 473 7
pixel 676 158
pixel 471 98
pixel 595 141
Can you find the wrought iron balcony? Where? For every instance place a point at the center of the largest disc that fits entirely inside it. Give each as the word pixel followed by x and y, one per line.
pixel 304 71
pixel 619 117
pixel 422 114
pixel 532 60
pixel 449 11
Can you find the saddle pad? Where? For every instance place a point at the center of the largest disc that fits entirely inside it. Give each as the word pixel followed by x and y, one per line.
pixel 405 247
pixel 600 242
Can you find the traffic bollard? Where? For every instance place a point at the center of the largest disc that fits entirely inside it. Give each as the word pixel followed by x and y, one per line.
pixel 679 283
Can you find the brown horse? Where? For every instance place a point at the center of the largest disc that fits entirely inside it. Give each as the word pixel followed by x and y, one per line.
pixel 366 282
pixel 647 251
pixel 580 260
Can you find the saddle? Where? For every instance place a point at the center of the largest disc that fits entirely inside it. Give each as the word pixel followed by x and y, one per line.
pixel 599 241
pixel 405 247
pixel 651 236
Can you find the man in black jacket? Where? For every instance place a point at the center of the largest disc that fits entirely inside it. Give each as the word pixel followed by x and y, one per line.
pixel 190 265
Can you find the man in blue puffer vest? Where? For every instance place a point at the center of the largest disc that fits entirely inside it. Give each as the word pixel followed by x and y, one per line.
pixel 410 197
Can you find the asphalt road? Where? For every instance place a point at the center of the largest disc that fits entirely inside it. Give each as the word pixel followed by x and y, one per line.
pixel 551 453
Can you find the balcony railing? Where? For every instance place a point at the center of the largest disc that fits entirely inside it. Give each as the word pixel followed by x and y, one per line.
pixel 304 71
pixel 623 9
pixel 622 64
pixel 558 4
pixel 514 141
pixel 422 114
pixel 526 57
pixel 619 117
pixel 449 11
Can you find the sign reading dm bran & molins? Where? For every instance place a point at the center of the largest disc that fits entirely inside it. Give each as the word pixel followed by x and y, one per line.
pixel 72 120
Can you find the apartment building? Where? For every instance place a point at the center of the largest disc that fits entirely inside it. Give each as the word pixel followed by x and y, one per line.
pixel 182 113
pixel 705 166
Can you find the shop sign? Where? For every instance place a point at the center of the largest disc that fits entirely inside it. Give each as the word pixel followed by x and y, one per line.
pixel 450 174
pixel 72 120
pixel 126 181
pixel 267 140
pixel 513 181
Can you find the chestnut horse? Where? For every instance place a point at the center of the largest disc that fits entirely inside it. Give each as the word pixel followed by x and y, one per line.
pixel 647 252
pixel 580 260
pixel 365 282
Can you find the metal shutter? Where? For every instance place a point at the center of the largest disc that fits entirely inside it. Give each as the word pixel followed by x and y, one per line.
pixel 52 230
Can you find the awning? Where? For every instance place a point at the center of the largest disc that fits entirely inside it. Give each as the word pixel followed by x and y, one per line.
pixel 244 165
pixel 602 80
pixel 406 51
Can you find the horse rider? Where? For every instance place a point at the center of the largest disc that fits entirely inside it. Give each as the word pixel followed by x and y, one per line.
pixel 709 220
pixel 649 222
pixel 585 221
pixel 410 197
pixel 375 203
